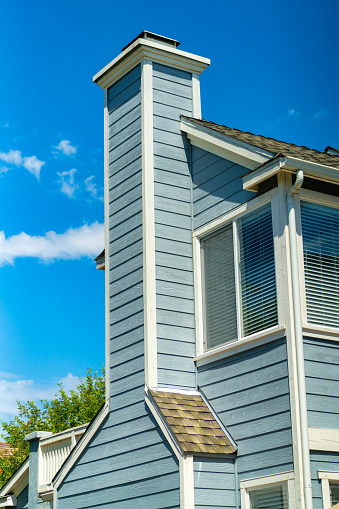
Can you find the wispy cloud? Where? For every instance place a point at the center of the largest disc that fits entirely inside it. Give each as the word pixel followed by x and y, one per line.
pixel 68 185
pixel 14 387
pixel 323 112
pixel 5 125
pixel 92 188
pixel 14 157
pixel 66 148
pixel 293 113
pixel 74 243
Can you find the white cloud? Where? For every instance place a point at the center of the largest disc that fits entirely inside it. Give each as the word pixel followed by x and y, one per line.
pixel 320 114
pixel 75 243
pixel 68 185
pixel 293 113
pixel 14 387
pixel 14 157
pixel 66 148
pixel 92 188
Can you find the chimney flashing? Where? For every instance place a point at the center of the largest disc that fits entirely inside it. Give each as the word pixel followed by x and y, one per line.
pixel 155 37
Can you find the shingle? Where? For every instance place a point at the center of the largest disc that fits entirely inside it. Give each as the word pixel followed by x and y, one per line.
pixel 271 145
pixel 192 423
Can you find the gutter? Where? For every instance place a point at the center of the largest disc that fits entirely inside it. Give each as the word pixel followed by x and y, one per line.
pixel 299 339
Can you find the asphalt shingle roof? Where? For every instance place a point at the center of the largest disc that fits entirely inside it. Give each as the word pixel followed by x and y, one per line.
pixel 192 423
pixel 271 145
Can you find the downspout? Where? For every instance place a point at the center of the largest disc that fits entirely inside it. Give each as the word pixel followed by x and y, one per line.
pixel 299 339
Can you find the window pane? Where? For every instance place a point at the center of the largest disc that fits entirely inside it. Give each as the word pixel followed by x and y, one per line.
pixel 269 498
pixel 220 300
pixel 257 272
pixel 320 231
pixel 334 489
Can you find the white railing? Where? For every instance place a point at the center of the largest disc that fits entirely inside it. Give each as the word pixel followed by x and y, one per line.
pixel 53 452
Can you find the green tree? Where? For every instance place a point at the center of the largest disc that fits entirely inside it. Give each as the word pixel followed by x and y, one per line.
pixel 66 410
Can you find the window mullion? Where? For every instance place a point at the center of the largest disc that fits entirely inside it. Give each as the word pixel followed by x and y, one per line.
pixel 237 277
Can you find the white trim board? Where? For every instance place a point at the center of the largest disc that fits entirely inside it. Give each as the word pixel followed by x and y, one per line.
pixel 290 164
pixel 9 501
pixel 323 439
pixel 146 48
pixel 225 146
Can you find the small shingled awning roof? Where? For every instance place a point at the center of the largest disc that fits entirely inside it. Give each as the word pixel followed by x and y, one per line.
pixel 192 423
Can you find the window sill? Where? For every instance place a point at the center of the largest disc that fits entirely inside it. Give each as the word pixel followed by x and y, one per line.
pixel 320 332
pixel 257 339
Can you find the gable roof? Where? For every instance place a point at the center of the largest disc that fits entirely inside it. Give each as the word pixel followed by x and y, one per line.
pixel 270 144
pixel 192 423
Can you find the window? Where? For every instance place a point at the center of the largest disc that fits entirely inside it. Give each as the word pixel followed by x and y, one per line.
pixel 275 491
pixel 334 493
pixel 330 488
pixel 239 279
pixel 274 497
pixel 320 234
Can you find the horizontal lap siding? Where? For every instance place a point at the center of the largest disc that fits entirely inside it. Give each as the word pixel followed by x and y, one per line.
pixel 217 186
pixel 172 95
pixel 250 393
pixel 321 461
pixel 22 499
pixel 128 464
pixel 214 483
pixel 322 383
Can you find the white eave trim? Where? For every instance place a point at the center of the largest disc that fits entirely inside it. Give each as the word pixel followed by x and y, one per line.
pixel 145 48
pixel 81 446
pixel 289 164
pixel 225 146
pixel 15 479
pixel 9 501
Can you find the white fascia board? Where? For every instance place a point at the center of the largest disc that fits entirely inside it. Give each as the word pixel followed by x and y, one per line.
pixel 225 146
pixel 290 164
pixel 323 439
pixel 145 48
pixel 9 501
pixel 80 447
pixel 18 478
pixel 62 435
pixel 163 425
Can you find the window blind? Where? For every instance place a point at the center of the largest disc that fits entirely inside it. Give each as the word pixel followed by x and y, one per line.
pixel 219 284
pixel 320 232
pixel 269 498
pixel 334 490
pixel 257 272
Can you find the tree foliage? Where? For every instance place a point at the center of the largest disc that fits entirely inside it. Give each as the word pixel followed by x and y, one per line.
pixel 66 410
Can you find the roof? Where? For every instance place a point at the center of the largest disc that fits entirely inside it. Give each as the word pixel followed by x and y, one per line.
pixel 192 423
pixel 4 448
pixel 271 145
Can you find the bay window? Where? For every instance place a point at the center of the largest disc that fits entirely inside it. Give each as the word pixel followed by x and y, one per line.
pixel 239 280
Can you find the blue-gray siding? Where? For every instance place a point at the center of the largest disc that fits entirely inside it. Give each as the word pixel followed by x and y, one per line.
pixel 321 461
pixel 22 499
pixel 217 186
pixel 128 464
pixel 322 382
pixel 172 94
pixel 214 483
pixel 250 393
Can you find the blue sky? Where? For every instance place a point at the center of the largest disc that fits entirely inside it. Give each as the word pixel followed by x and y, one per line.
pixel 273 71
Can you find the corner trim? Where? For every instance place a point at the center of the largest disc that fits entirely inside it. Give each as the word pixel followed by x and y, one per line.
pixel 186 482
pixel 149 281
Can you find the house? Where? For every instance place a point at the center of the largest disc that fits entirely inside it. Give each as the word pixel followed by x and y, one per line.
pixel 222 316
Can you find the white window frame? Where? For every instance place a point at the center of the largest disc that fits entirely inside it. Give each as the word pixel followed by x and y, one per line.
pixel 273 198
pixel 326 477
pixel 284 479
pixel 306 195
